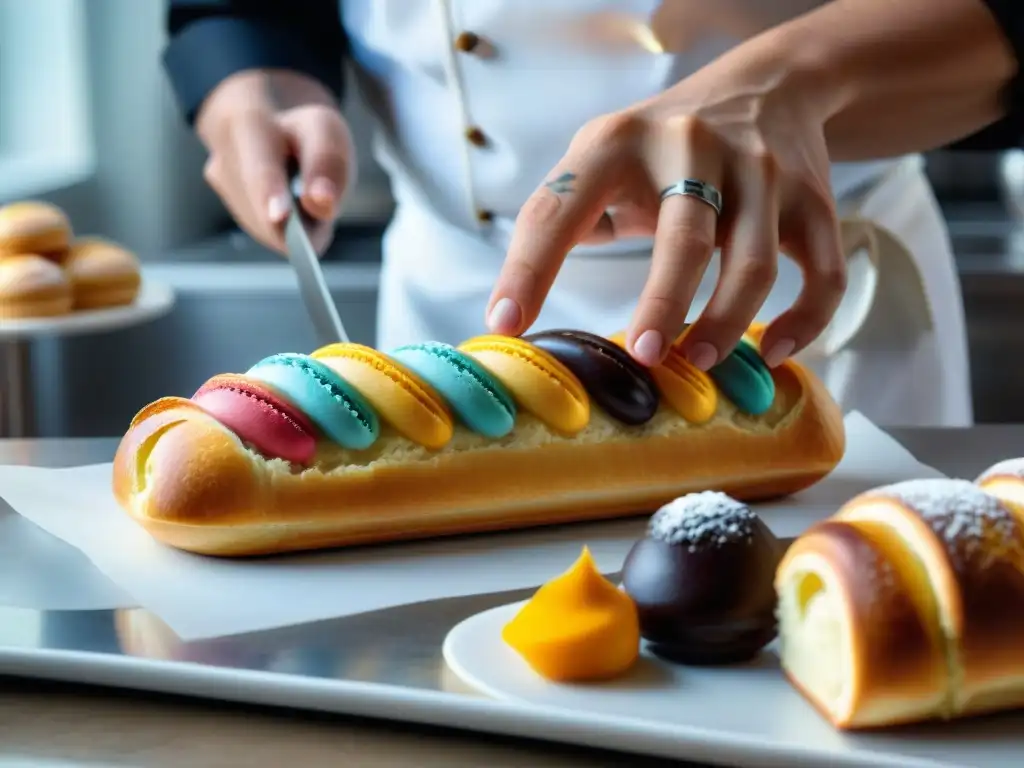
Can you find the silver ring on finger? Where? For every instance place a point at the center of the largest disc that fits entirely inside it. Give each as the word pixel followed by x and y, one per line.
pixel 701 190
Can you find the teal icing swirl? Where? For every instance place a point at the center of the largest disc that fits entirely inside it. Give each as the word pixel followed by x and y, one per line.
pixel 745 379
pixel 335 406
pixel 477 398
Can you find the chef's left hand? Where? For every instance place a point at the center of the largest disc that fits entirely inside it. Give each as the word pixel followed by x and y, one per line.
pixel 754 132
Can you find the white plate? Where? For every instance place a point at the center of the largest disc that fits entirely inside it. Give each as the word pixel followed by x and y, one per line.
pixel 745 715
pixel 153 301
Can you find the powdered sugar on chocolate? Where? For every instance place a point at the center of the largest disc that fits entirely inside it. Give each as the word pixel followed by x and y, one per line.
pixel 970 521
pixel 700 520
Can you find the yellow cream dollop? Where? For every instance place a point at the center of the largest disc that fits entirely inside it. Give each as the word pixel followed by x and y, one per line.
pixel 577 627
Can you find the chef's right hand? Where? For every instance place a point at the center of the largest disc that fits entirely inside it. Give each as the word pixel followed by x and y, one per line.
pixel 252 124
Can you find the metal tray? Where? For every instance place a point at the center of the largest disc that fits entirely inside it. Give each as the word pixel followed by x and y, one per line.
pixel 390 665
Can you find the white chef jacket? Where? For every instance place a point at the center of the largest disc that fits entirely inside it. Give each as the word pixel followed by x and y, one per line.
pixel 476 101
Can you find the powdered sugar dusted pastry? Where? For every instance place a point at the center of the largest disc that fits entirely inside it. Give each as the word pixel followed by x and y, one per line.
pixel 906 605
pixel 352 445
pixel 1005 479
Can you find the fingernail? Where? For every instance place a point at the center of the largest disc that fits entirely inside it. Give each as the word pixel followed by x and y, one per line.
pixel 647 349
pixel 277 208
pixel 323 191
pixel 781 350
pixel 505 317
pixel 702 355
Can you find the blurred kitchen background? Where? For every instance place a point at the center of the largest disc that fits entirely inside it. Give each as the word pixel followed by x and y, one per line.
pixel 87 121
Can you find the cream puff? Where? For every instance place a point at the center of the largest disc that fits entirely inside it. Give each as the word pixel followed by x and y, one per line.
pixel 34 227
pixel 102 274
pixel 32 286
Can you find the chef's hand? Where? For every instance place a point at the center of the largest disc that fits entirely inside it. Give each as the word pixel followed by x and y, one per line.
pixel 251 124
pixel 756 134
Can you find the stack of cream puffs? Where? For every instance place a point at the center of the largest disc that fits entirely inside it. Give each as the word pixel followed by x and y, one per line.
pixel 46 272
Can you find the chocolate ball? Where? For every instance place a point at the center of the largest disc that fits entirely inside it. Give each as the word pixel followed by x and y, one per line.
pixel 702 581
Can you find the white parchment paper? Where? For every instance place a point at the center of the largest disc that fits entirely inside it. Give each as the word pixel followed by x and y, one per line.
pixel 202 597
pixel 40 572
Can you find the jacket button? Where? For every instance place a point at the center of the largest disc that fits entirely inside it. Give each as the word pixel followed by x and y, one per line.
pixel 467 42
pixel 476 137
pixel 484 217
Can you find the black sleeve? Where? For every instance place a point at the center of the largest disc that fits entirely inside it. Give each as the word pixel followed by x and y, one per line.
pixel 212 39
pixel 1008 133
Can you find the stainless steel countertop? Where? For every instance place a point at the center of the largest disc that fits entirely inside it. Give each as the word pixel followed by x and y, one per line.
pixel 399 646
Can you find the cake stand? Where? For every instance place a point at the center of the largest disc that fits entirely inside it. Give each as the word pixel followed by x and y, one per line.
pixel 18 337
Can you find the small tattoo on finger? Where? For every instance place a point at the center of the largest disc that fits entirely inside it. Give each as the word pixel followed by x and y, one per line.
pixel 563 184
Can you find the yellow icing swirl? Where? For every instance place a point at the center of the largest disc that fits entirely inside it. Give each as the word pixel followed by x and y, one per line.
pixel 539 383
pixel 687 389
pixel 397 394
pixel 755 333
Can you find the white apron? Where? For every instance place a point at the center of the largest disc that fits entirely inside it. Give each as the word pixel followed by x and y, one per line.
pixel 538 71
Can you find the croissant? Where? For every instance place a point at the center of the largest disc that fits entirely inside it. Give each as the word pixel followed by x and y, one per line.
pixel 907 605
pixel 1005 479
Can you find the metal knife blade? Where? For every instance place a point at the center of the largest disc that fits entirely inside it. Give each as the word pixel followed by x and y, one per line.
pixel 322 312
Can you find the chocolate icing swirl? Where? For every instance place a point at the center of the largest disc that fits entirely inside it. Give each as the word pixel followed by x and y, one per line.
pixel 618 384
